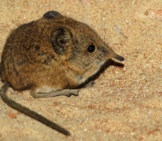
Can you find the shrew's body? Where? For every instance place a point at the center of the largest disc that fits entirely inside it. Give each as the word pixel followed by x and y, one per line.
pixel 51 56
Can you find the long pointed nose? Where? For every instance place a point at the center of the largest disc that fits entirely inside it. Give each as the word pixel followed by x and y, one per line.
pixel 118 57
pixel 108 52
pixel 114 55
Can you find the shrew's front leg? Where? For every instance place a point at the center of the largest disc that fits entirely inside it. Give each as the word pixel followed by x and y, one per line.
pixel 65 92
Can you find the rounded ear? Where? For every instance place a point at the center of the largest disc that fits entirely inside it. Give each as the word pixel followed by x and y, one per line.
pixel 61 38
pixel 52 14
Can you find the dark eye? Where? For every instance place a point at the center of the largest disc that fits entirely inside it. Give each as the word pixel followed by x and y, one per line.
pixel 91 48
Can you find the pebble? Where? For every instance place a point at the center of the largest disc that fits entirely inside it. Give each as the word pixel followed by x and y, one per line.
pixel 154 14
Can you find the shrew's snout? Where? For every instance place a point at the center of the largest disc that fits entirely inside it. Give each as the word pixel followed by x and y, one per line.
pixel 118 57
pixel 111 54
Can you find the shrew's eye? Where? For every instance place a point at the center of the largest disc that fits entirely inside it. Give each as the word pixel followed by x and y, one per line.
pixel 91 48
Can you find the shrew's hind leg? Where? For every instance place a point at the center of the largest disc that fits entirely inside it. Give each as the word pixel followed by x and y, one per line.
pixel 65 92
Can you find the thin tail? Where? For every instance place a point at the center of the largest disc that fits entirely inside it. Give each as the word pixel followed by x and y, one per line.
pixel 29 112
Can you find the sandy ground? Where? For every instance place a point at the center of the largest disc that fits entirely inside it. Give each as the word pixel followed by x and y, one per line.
pixel 125 103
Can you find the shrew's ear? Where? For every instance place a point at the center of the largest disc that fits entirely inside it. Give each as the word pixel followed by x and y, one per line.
pixel 52 14
pixel 61 38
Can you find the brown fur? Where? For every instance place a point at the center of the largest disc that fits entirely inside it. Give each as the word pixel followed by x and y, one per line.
pixel 51 55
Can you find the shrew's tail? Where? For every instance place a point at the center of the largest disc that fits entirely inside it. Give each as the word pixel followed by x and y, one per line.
pixel 29 112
